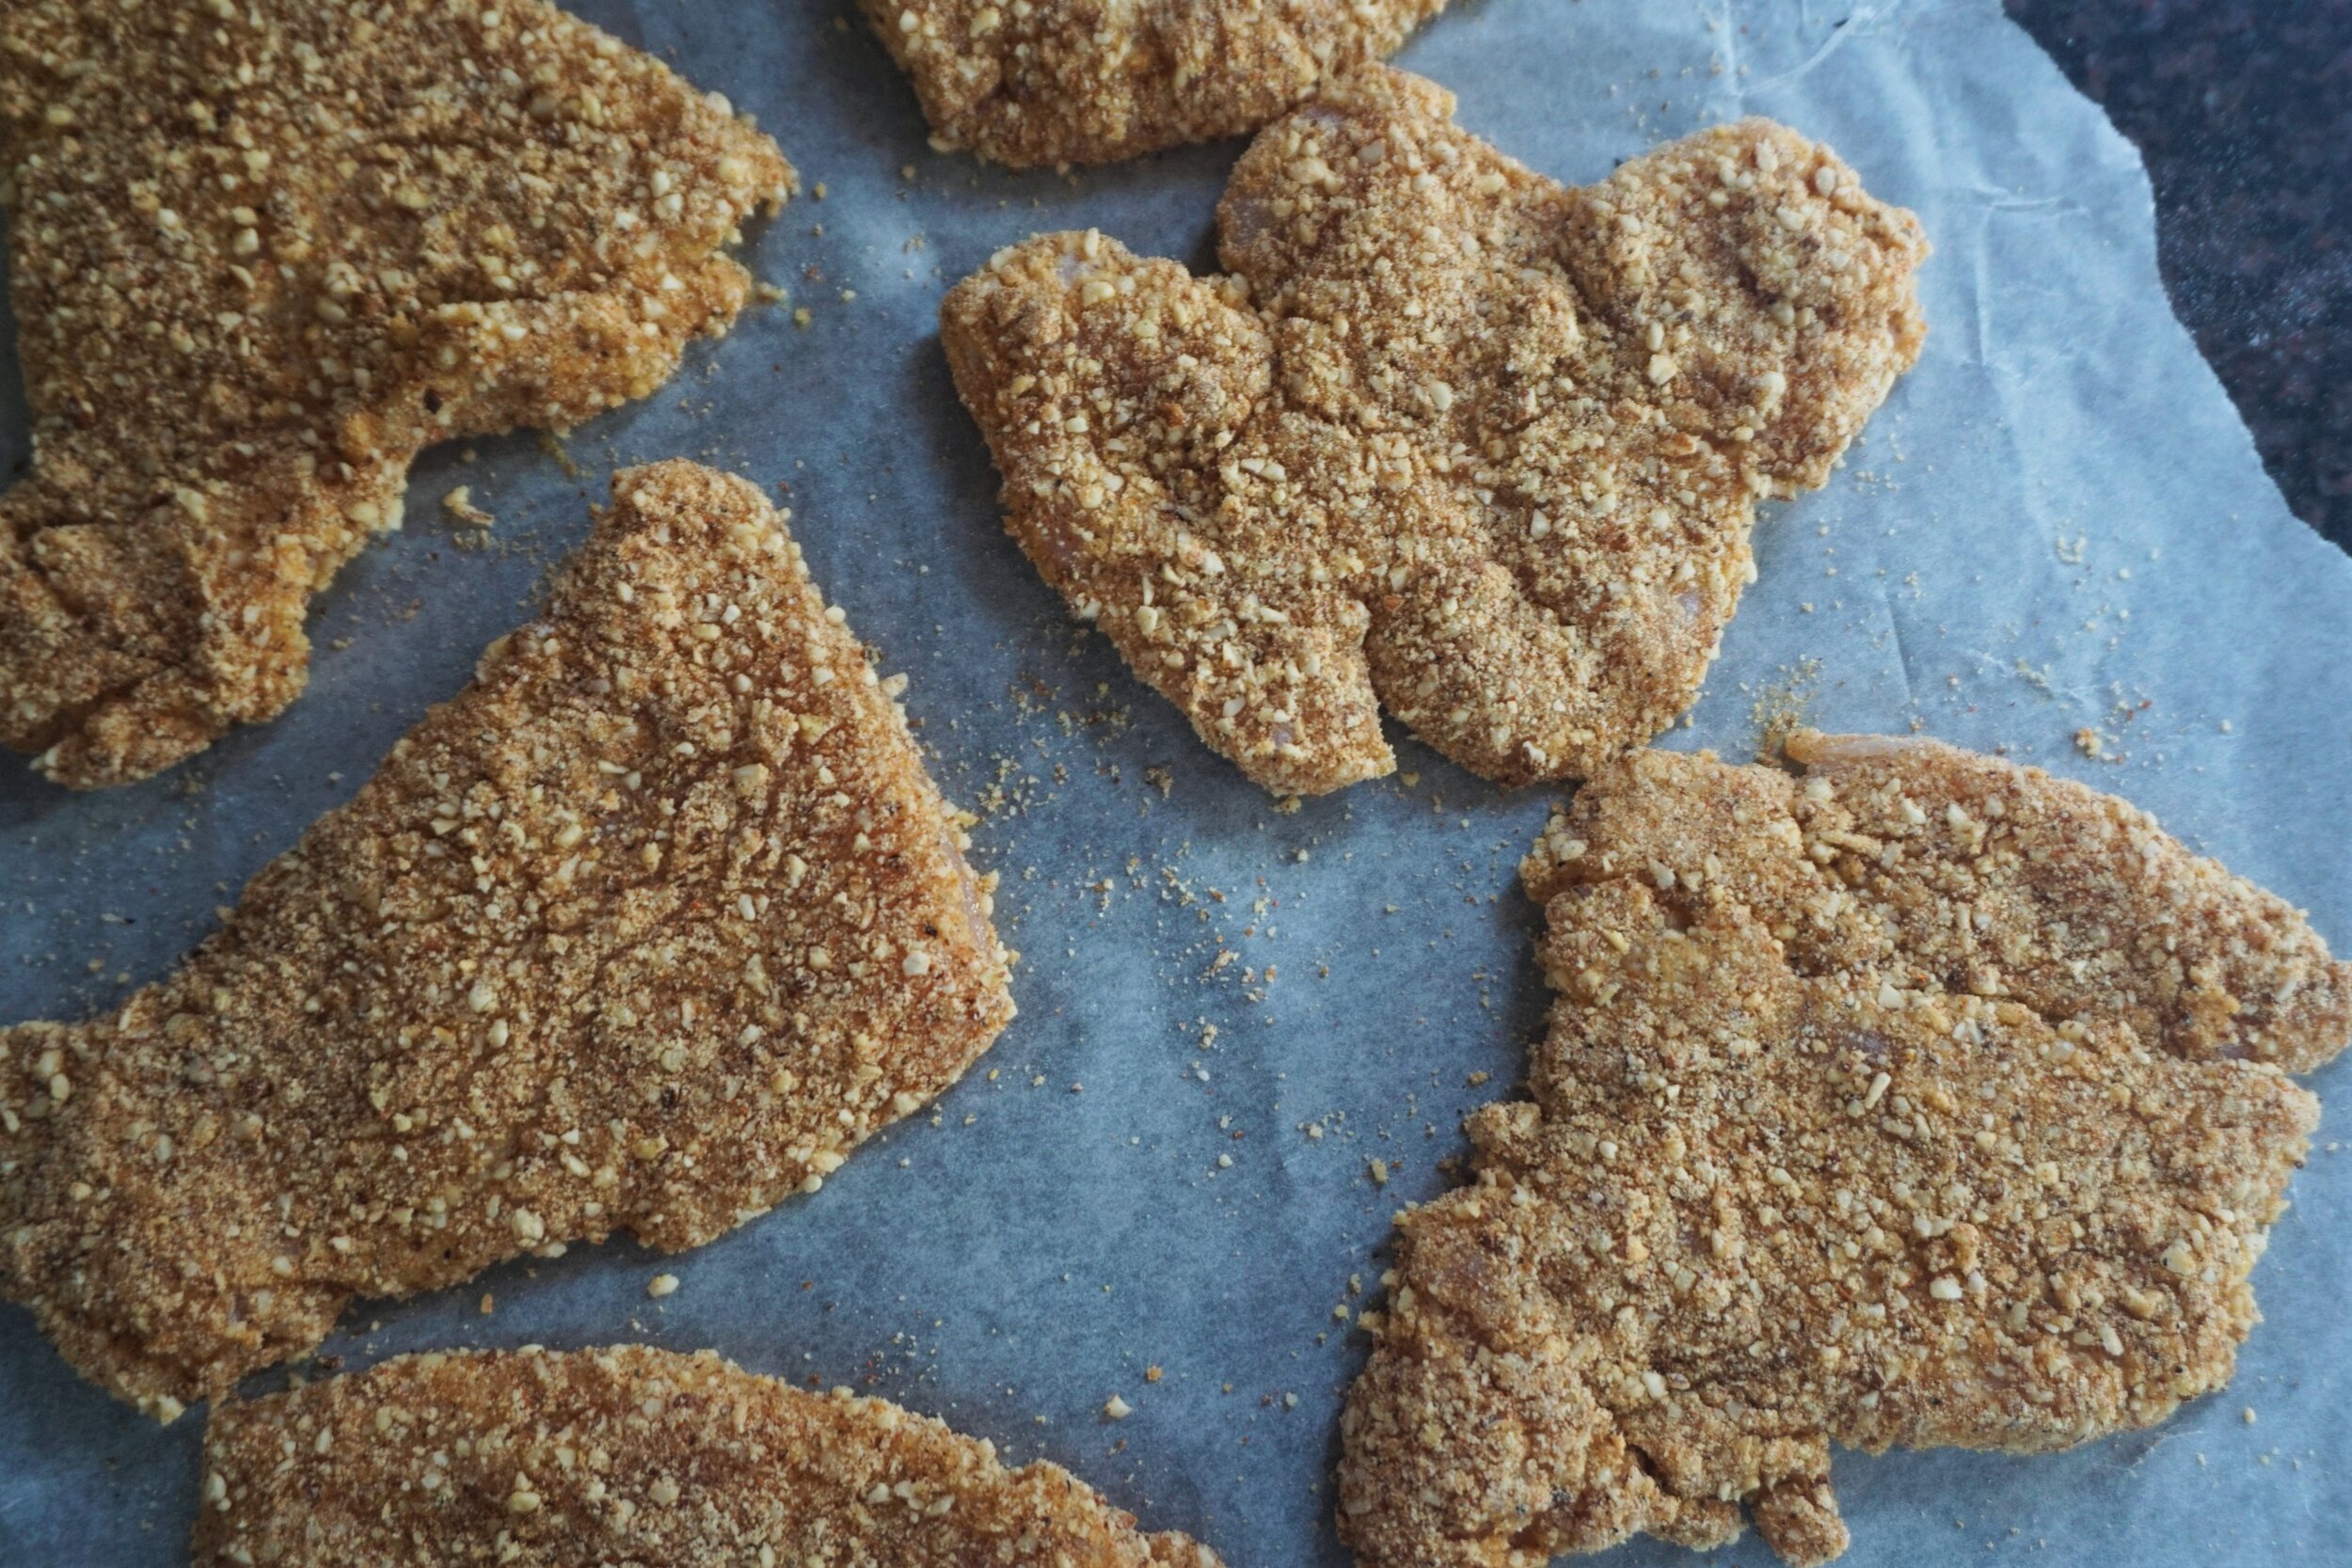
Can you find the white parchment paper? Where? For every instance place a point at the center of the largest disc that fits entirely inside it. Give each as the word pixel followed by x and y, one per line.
pixel 2057 524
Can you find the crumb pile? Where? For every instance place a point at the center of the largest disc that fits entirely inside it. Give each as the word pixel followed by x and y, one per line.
pixel 634 1455
pixel 263 253
pixel 1031 82
pixel 1923 1100
pixel 645 930
pixel 1448 433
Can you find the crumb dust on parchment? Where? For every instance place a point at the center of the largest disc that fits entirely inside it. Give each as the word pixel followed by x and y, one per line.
pixel 552 443
pixel 1784 706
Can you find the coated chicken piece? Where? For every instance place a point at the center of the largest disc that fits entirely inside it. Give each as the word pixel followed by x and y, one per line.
pixel 1084 82
pixel 1448 438
pixel 1922 1098
pixel 630 1455
pixel 265 252
pixel 645 930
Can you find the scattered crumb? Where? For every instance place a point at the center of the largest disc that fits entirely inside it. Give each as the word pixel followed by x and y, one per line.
pixel 459 504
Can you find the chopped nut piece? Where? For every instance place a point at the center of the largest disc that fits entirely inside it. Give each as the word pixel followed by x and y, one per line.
pixel 1298 493
pixel 383 1146
pixel 459 504
pixel 1695 1261
pixel 238 327
pixel 662 1285
pixel 635 1455
pixel 1031 82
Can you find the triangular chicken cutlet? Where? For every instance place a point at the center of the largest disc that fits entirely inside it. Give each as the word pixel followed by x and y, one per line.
pixel 644 931
pixel 263 253
pixel 1033 81
pixel 631 1455
pixel 1922 1100
pixel 1451 438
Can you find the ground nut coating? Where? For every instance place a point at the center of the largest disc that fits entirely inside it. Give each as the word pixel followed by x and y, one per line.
pixel 1921 1099
pixel 263 253
pixel 645 930
pixel 1029 81
pixel 631 1455
pixel 1448 438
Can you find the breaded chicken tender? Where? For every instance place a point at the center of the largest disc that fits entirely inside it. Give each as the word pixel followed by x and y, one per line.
pixel 630 1455
pixel 1919 1099
pixel 1031 82
pixel 263 253
pixel 1449 437
pixel 645 930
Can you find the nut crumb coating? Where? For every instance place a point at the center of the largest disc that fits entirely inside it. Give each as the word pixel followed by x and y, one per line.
pixel 645 930
pixel 634 1455
pixel 262 254
pixel 1061 82
pixel 1447 437
pixel 1921 1099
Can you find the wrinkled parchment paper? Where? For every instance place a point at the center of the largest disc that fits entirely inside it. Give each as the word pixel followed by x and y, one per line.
pixel 2057 524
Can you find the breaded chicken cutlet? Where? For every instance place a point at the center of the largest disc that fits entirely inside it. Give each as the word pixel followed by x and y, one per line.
pixel 1922 1100
pixel 1450 438
pixel 631 1455
pixel 1053 82
pixel 645 930
pixel 263 253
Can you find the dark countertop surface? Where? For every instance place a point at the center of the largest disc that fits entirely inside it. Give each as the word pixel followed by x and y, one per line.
pixel 2243 110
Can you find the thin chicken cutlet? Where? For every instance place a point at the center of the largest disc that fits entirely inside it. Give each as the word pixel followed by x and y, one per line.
pixel 645 930
pixel 631 1455
pixel 1448 437
pixel 1083 82
pixel 1919 1099
pixel 265 252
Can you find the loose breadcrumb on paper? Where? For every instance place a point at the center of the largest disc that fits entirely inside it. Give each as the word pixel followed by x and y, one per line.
pixel 459 504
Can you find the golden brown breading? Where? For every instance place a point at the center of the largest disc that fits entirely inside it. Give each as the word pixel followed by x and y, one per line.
pixel 1449 434
pixel 631 1455
pixel 1923 1100
pixel 263 254
pixel 1089 82
pixel 643 931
